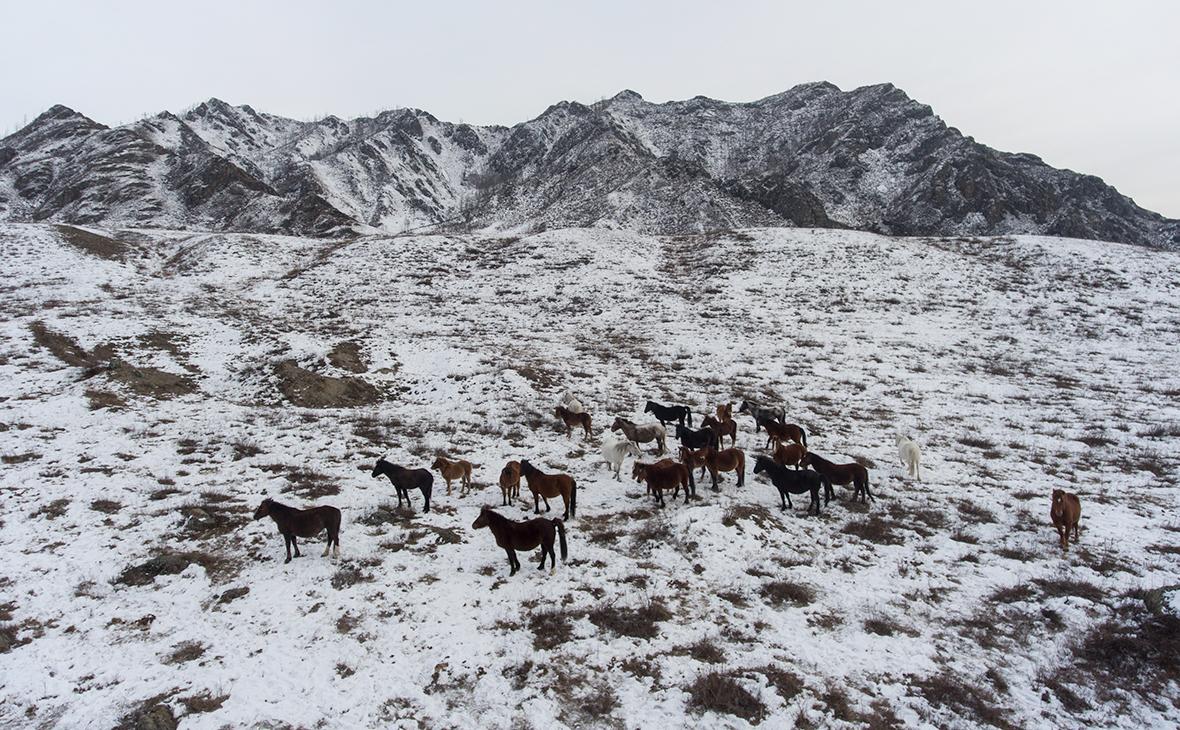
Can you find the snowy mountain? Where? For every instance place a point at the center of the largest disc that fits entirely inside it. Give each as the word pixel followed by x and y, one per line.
pixel 152 389
pixel 870 159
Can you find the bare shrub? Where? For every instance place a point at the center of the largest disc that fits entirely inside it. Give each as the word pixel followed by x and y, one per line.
pixel 722 693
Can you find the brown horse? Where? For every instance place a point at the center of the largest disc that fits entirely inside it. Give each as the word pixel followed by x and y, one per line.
pixel 527 535
pixel 777 433
pixel 573 418
pixel 722 428
pixel 664 474
pixel 293 523
pixel 725 460
pixel 1066 511
pixel 725 412
pixel 789 454
pixel 452 470
pixel 510 481
pixel 842 474
pixel 544 485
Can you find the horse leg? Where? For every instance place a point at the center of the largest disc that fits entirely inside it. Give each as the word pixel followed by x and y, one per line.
pixel 511 561
pixel 786 498
pixel 296 546
pixel 287 544
pixel 713 473
pixel 536 504
pixel 546 501
pixel 328 547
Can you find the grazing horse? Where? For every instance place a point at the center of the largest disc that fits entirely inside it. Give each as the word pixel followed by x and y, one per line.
pixel 510 482
pixel 309 522
pixel 789 454
pixel 842 474
pixel 696 439
pixel 724 428
pixel 668 414
pixel 910 454
pixel 571 403
pixel 789 481
pixel 664 474
pixel 613 453
pixel 725 412
pixel 724 460
pixel 404 480
pixel 452 470
pixel 778 432
pixel 544 485
pixel 642 434
pixel 513 536
pixel 573 418
pixel 1066 511
pixel 761 413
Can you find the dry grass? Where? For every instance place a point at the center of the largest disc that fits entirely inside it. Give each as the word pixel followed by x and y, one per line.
pixel 639 623
pixel 722 693
pixel 781 591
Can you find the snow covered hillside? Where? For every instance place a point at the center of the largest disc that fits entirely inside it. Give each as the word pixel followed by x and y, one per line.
pixel 148 401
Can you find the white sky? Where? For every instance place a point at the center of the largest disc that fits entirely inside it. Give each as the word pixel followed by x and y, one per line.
pixel 1092 86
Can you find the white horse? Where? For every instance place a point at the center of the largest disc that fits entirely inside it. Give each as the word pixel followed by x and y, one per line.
pixel 613 453
pixel 910 454
pixel 571 403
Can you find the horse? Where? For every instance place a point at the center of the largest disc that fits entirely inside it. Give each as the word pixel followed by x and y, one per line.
pixel 668 414
pixel 573 418
pixel 761 413
pixel 725 460
pixel 293 523
pixel 526 535
pixel 571 403
pixel 693 460
pixel 404 480
pixel 510 482
pixel 910 454
pixel 613 453
pixel 778 432
pixel 664 474
pixel 790 481
pixel 1066 511
pixel 842 474
pixel 452 470
pixel 789 454
pixel 696 439
pixel 544 485
pixel 642 434
pixel 725 412
pixel 722 428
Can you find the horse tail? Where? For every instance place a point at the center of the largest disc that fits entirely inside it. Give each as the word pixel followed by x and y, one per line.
pixel 573 496
pixel 803 435
pixel 688 412
pixel 561 538
pixel 427 487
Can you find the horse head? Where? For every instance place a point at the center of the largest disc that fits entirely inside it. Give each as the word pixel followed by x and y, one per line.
pixel 377 467
pixel 482 520
pixel 631 449
pixel 439 463
pixel 638 471
pixel 618 424
pixel 263 509
pixel 745 407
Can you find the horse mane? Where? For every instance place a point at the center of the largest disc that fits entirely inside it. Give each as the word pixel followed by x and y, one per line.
pixel 816 457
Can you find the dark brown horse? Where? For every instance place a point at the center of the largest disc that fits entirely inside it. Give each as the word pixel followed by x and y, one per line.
pixel 404 480
pixel 842 474
pixel 789 454
pixel 1066 512
pixel 662 475
pixel 719 461
pixel 780 433
pixel 510 481
pixel 309 522
pixel 527 535
pixel 722 429
pixel 544 485
pixel 572 418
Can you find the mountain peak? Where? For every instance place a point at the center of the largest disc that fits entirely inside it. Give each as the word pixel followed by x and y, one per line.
pixel 626 96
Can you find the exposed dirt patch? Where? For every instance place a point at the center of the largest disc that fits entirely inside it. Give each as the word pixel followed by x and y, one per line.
pixel 168 564
pixel 347 356
pixel 311 390
pixel 93 243
pixel 150 382
pixel 61 346
pixel 98 399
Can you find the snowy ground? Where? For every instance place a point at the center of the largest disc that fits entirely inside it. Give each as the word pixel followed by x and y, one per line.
pixel 1019 365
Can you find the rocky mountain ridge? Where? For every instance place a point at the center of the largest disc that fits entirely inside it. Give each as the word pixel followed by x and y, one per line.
pixel 815 156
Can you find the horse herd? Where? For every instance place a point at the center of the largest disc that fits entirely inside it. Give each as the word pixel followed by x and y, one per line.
pixel 789 465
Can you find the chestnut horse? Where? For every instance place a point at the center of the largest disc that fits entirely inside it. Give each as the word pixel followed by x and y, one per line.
pixel 791 481
pixel 842 474
pixel 513 536
pixel 544 485
pixel 293 523
pixel 731 459
pixel 725 412
pixel 789 454
pixel 1066 511
pixel 724 428
pixel 452 470
pixel 664 474
pixel 573 418
pixel 778 432
pixel 510 482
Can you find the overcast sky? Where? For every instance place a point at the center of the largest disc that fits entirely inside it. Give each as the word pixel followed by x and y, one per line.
pixel 1091 86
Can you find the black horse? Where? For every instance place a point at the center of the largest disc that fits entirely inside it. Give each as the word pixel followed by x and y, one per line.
pixel 762 413
pixel 790 481
pixel 697 439
pixel 513 536
pixel 406 479
pixel 669 414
